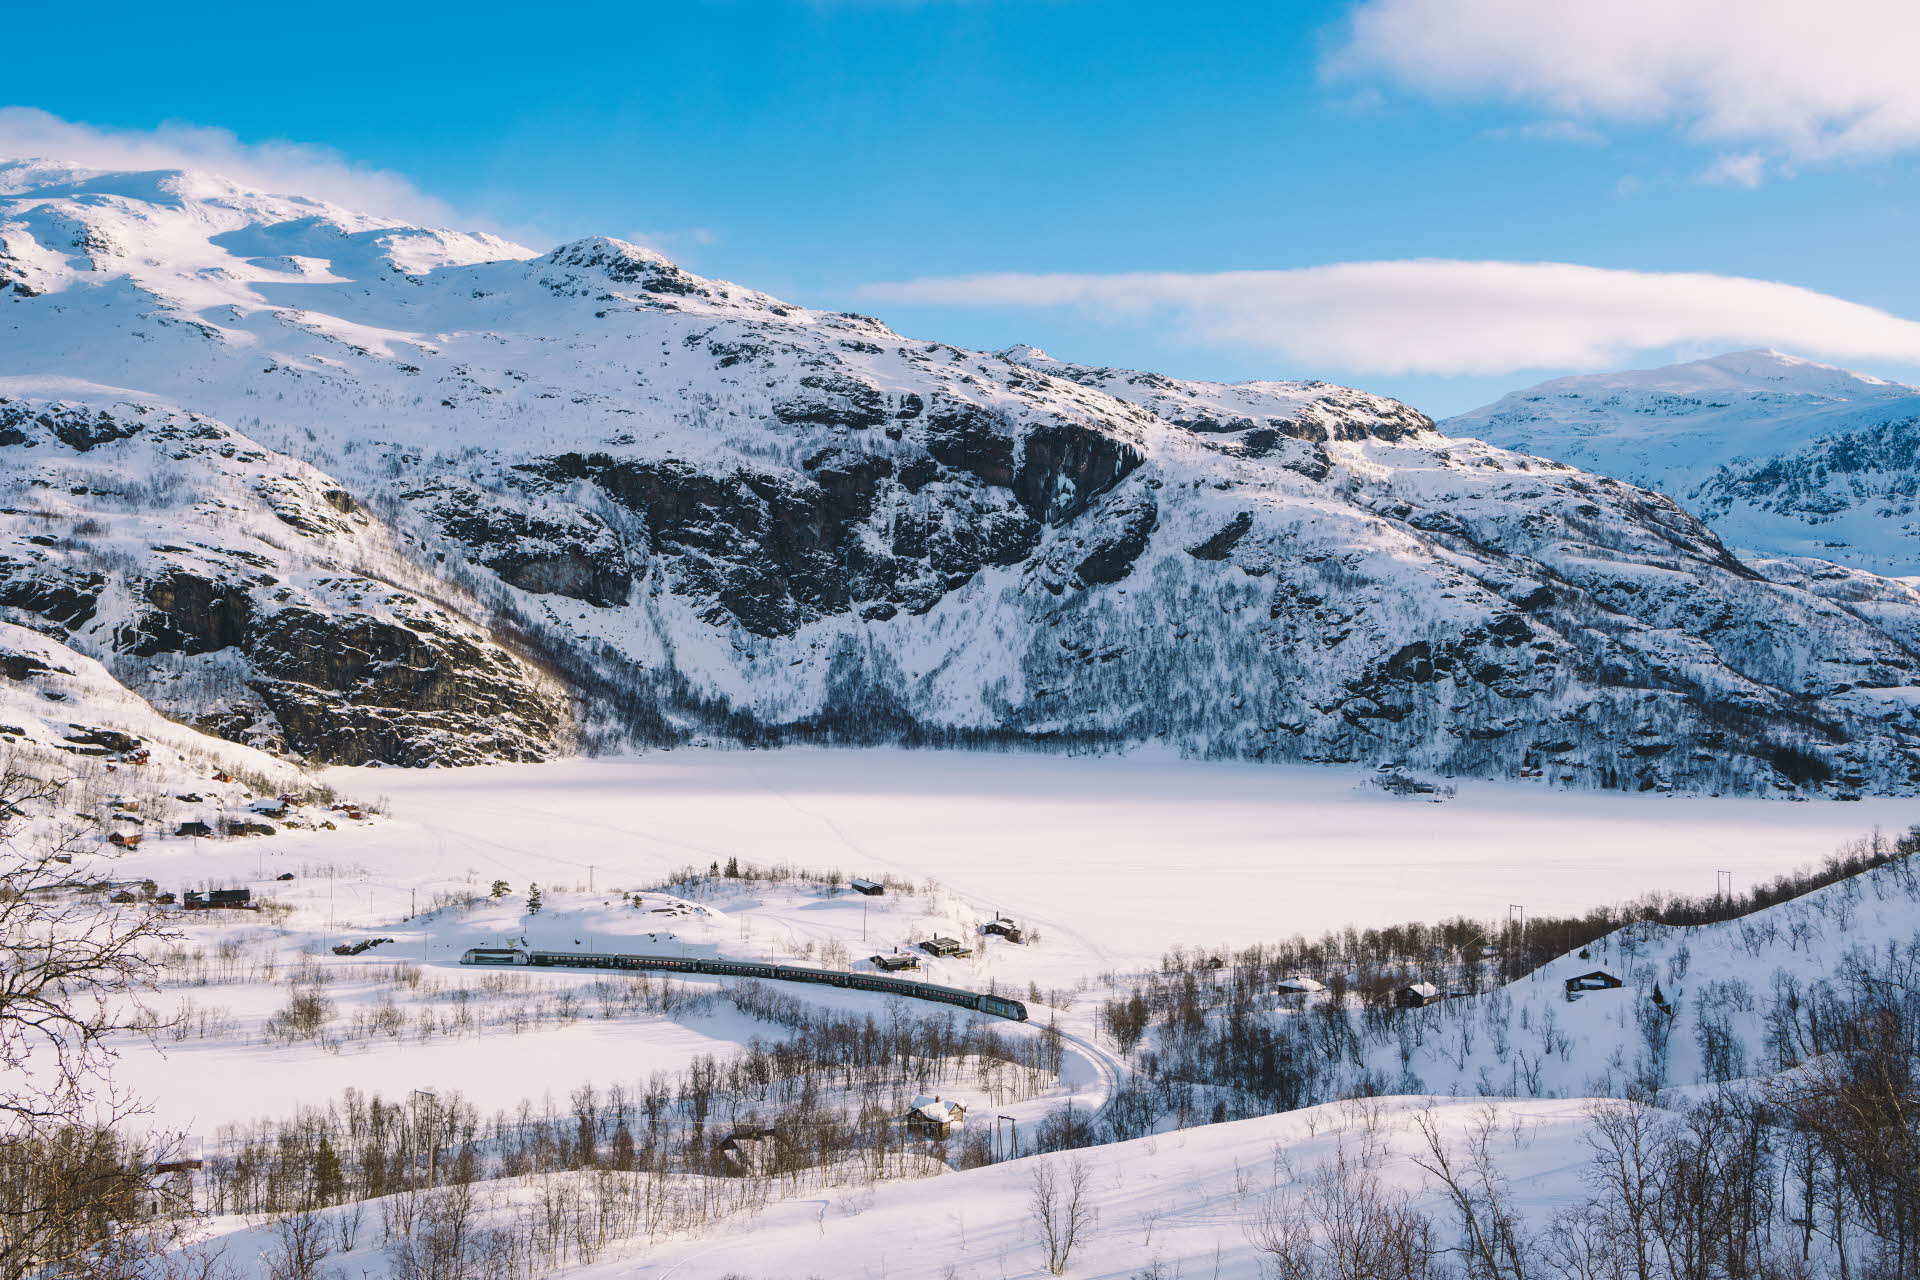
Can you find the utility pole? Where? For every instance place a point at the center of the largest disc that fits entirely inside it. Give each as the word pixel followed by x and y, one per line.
pixel 589 877
pixel 1723 885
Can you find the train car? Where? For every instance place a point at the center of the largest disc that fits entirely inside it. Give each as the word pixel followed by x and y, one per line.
pixel 998 1006
pixel 493 955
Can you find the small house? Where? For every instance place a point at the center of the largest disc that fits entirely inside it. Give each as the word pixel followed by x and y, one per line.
pixel 1598 980
pixel 123 896
pixel 895 963
pixel 938 946
pixel 1416 995
pixel 872 888
pixel 751 1150
pixel 935 1117
pixel 180 1155
pixel 1298 985
pixel 1004 928
pixel 121 840
pixel 193 829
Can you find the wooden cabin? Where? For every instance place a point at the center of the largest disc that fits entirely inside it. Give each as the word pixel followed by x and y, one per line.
pixel 935 1117
pixel 872 888
pixel 181 1155
pixel 1417 995
pixel 1004 928
pixel 895 963
pixel 1298 985
pixel 1598 980
pixel 938 946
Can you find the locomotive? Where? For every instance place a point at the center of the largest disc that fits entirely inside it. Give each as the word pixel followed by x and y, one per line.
pixel 998 1006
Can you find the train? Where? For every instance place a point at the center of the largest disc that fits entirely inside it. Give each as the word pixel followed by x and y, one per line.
pixel 997 1006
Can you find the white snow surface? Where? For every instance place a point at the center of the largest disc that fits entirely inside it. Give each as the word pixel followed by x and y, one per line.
pixel 1115 859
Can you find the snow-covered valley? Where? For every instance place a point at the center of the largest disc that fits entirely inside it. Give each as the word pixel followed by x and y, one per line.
pixel 1283 821
pixel 1107 862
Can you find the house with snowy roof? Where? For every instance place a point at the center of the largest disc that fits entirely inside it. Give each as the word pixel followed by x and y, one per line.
pixel 1415 995
pixel 935 1117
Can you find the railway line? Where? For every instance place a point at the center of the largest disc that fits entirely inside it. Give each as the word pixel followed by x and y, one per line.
pixel 996 1006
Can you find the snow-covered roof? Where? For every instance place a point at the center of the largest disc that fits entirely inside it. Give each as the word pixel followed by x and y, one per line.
pixel 943 1110
pixel 1422 989
pixel 1300 984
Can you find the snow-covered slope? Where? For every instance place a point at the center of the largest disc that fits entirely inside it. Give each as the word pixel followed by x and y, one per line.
pixel 1776 453
pixel 715 513
pixel 95 771
pixel 245 590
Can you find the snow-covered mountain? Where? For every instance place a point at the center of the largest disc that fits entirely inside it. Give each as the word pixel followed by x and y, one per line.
pixel 464 470
pixel 1777 453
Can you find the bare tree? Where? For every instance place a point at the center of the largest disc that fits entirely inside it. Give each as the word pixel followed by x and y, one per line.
pixel 71 972
pixel 1492 1237
pixel 299 1247
pixel 1341 1224
pixel 1061 1209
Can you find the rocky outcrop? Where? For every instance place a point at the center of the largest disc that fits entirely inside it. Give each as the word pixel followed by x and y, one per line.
pixel 190 589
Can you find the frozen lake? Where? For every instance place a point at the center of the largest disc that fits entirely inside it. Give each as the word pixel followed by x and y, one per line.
pixel 1125 856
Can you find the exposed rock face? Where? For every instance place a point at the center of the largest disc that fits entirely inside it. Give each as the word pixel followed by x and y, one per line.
pixel 714 513
pixel 196 564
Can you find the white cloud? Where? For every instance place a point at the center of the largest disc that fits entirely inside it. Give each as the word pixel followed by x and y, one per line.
pixel 1551 131
pixel 1448 317
pixel 1807 81
pixel 1745 169
pixel 283 168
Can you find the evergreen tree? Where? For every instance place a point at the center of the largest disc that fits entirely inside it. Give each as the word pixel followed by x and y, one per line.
pixel 329 1179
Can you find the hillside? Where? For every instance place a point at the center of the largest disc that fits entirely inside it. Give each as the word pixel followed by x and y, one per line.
pixel 708 513
pixel 1776 453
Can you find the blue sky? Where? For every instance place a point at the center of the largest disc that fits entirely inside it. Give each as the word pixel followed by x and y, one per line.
pixel 817 149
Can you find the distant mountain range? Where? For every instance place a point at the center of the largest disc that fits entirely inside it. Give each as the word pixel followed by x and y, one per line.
pixel 353 490
pixel 1778 454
